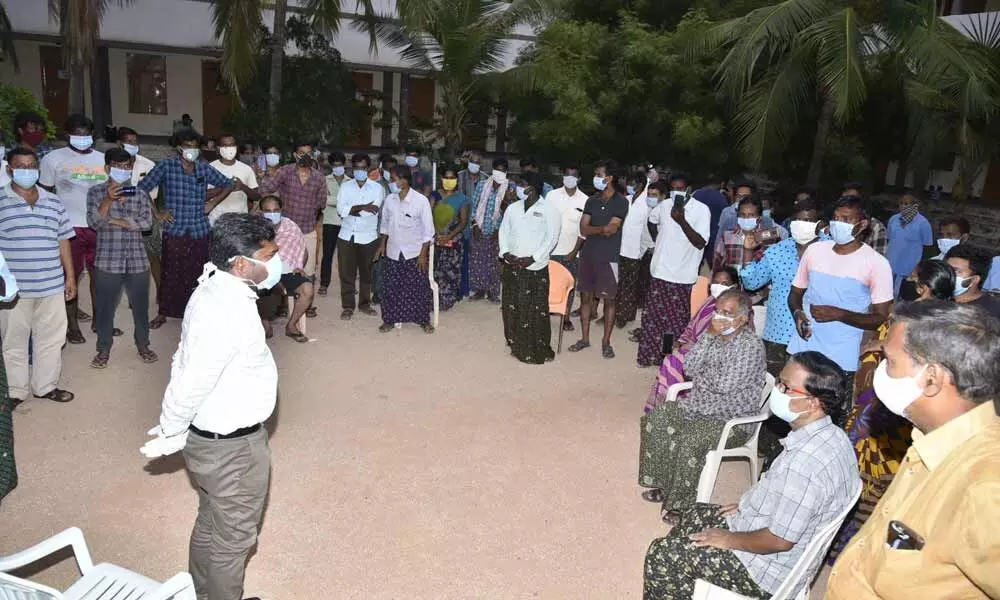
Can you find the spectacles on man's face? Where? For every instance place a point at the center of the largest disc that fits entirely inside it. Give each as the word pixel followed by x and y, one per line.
pixel 781 387
pixel 739 197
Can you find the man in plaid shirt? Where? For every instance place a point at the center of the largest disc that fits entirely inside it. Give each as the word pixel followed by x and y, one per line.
pixel 119 218
pixel 294 254
pixel 751 547
pixel 749 239
pixel 185 182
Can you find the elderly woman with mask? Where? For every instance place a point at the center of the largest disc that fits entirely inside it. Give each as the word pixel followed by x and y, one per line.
pixel 726 367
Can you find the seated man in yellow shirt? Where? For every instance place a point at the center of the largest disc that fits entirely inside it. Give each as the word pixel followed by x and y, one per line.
pixel 936 531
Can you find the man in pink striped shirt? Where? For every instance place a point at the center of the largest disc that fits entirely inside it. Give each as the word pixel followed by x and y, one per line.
pixel 294 255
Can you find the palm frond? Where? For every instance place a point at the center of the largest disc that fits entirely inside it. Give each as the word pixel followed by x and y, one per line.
pixel 840 49
pixel 238 25
pixel 323 15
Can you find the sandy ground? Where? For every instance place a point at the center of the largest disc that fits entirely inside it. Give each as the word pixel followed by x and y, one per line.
pixel 404 466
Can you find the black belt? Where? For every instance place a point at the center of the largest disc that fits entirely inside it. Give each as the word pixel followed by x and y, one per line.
pixel 228 436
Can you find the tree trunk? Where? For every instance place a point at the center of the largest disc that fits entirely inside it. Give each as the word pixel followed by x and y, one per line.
pixel 902 168
pixel 823 126
pixel 277 60
pixel 77 95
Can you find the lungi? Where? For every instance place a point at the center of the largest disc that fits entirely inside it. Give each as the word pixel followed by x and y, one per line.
pixel 526 314
pixel 484 265
pixel 448 273
pixel 406 292
pixel 668 310
pixel 183 260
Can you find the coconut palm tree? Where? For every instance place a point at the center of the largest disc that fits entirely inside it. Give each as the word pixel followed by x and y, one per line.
pixel 461 44
pixel 79 27
pixel 797 56
pixel 240 27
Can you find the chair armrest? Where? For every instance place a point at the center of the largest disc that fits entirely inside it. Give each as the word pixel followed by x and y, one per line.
pixel 739 421
pixel 173 587
pixel 675 390
pixel 72 537
pixel 704 590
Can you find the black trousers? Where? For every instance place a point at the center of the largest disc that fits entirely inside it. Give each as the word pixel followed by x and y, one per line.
pixel 330 235
pixel 108 287
pixel 354 261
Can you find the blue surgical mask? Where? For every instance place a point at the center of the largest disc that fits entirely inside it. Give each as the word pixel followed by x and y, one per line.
pixel 962 286
pixel 747 223
pixel 411 161
pixel 473 168
pixel 190 154
pixel 600 183
pixel 272 160
pixel 522 194
pixel 945 244
pixel 274 217
pixel 81 142
pixel 25 178
pixel 360 175
pixel 132 149
pixel 630 190
pixel 120 175
pixel 841 233
pixel 652 202
pixel 394 187
pixel 338 171
pixel 767 213
pixel 780 403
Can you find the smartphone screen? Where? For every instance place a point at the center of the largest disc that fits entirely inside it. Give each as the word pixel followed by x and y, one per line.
pixel 679 198
pixel 668 344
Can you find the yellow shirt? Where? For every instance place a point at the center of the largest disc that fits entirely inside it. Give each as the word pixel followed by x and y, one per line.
pixel 948 491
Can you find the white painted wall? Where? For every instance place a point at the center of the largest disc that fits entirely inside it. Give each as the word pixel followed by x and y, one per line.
pixel 945 179
pixel 183 93
pixel 30 60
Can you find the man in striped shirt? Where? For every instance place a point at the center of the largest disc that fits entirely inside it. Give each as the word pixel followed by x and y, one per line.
pixel 34 237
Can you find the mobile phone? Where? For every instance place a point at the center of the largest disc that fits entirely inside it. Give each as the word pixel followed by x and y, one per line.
pixel 679 197
pixel 900 537
pixel 767 235
pixel 668 344
pixel 128 190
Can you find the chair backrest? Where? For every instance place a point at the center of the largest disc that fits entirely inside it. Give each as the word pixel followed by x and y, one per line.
pixel 699 293
pixel 807 566
pixel 15 588
pixel 764 395
pixel 759 317
pixel 560 285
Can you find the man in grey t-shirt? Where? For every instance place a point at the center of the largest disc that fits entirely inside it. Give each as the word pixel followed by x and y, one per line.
pixel 603 215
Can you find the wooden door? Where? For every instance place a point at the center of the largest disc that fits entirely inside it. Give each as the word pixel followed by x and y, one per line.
pixel 55 84
pixel 216 102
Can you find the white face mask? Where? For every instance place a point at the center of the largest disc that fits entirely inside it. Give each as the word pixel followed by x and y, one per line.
pixel 132 149
pixel 273 267
pixel 945 244
pixel 272 160
pixel 190 154
pixel 473 168
pixel 274 217
pixel 81 142
pixel 841 233
pixel 228 152
pixel 499 176
pixel 716 289
pixel 120 176
pixel 600 183
pixel 338 171
pixel 726 319
pixel 570 182
pixel 781 405
pixel 896 393
pixel 522 194
pixel 411 161
pixel 803 232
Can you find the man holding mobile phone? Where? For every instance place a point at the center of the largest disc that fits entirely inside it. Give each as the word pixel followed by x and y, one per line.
pixel 747 241
pixel 934 534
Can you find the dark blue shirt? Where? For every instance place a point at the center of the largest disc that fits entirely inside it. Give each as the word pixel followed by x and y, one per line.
pixel 185 194
pixel 716 202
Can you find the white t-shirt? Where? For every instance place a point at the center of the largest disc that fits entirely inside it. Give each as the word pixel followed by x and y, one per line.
pixel 237 200
pixel 4 177
pixel 675 259
pixel 571 211
pixel 635 223
pixel 140 169
pixel 73 174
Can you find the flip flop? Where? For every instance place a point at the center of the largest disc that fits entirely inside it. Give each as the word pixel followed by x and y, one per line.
pixel 580 345
pixel 101 360
pixel 115 332
pixel 607 351
pixel 148 356
pixel 311 312
pixel 57 395
pixel 653 495
pixel 427 327
pixel 157 322
pixel 297 336
pixel 82 316
pixel 386 327
pixel 75 337
pixel 322 291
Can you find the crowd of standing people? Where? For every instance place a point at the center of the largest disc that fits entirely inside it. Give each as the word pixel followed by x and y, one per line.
pixel 882 341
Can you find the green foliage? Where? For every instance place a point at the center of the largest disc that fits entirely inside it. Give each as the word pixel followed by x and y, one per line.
pixel 318 98
pixel 15 99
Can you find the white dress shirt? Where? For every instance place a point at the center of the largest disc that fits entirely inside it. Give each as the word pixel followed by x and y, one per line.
pixel 675 258
pixel 409 224
pixel 532 232
pixel 223 376
pixel 363 227
pixel 635 222
pixel 570 210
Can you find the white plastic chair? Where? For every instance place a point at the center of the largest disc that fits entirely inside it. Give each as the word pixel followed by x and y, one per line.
pixel 759 317
pixel 713 460
pixel 798 584
pixel 435 294
pixel 100 581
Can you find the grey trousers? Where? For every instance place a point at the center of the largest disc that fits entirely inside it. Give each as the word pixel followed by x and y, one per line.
pixel 232 478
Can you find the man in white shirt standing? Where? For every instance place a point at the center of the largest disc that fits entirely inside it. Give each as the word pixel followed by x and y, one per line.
pixel 223 386
pixel 630 261
pixel 528 233
pixel 238 200
pixel 358 204
pixel 407 231
pixel 331 218
pixel 69 173
pixel 682 229
pixel 568 202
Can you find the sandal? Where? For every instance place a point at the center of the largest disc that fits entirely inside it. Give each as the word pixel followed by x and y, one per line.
pixel 322 291
pixel 634 337
pixel 82 316
pixel 427 327
pixel 386 327
pixel 346 314
pixel 57 395
pixel 580 345
pixel 671 517
pixel 157 322
pixel 75 337
pixel 311 312
pixel 568 326
pixel 298 336
pixel 148 356
pixel 607 351
pixel 115 332
pixel 367 310
pixel 101 360
pixel 653 495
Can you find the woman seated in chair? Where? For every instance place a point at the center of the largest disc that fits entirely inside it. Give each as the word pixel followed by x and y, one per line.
pixel 672 367
pixel 751 547
pixel 726 367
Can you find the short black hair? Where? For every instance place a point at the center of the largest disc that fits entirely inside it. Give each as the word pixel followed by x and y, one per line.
pixel 826 381
pixel 25 117
pixel 361 157
pixel 747 184
pixel 269 144
pixel 962 338
pixel 21 151
pixel 185 137
pixel 573 167
pixel 403 173
pixel 225 135
pixel 237 234
pixel 501 162
pixel 753 200
pixel 298 144
pixel 117 155
pixel 961 222
pixel 855 202
pixel 661 186
pixel 123 131
pixel 804 205
pixel 979 261
pixel 852 185
pixel 679 176
pixel 76 121
pixel 733 274
pixel 938 277
pixel 270 197
pixel 337 157
pixel 535 180
pixel 528 162
pixel 387 158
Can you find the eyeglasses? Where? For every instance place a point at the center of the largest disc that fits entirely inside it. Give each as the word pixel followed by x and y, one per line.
pixel 781 387
pixel 741 196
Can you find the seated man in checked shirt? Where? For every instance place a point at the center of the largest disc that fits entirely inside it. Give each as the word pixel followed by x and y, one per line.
pixel 751 547
pixel 294 254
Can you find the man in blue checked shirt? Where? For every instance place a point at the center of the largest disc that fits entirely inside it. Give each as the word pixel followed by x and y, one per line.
pixel 186 229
